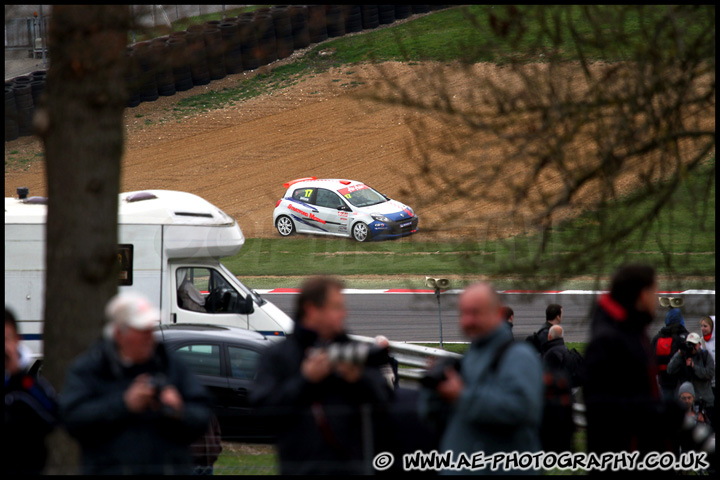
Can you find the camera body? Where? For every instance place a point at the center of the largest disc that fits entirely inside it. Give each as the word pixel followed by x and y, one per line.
pixel 436 375
pixel 686 349
pixel 357 353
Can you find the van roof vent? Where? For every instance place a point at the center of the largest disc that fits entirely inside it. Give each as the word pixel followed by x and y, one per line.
pixel 140 196
pixel 36 200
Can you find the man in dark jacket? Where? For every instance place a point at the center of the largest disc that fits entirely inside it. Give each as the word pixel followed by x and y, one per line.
pixel 131 405
pixel 625 411
pixel 555 354
pixel 553 316
pixel 321 407
pixel 664 345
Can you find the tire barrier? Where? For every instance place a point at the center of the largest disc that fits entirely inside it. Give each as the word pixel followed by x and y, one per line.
pixel 214 49
pixel 403 11
pixel 370 17
pixel 299 23
pixel 24 105
pixel 197 55
pixel 335 20
pixel 160 57
pixel 148 88
pixel 248 43
pixel 232 53
pixel 283 31
pixel 317 23
pixel 180 62
pixel 265 33
pixel 12 129
pixel 353 18
pixel 386 14
pixel 37 87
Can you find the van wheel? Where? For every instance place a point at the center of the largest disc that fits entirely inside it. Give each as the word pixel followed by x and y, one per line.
pixel 285 226
pixel 361 232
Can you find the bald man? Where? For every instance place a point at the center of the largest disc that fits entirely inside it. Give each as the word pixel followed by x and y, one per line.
pixel 491 408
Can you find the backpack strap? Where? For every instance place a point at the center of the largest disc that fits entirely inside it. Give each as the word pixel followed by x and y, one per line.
pixel 499 354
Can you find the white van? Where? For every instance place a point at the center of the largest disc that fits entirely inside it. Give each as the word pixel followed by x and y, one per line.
pixel 170 245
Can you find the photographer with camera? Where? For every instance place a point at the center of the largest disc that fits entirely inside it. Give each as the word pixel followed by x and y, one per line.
pixel 133 407
pixel 694 365
pixel 318 388
pixel 493 401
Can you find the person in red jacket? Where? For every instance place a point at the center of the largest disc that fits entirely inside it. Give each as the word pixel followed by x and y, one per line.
pixel 625 411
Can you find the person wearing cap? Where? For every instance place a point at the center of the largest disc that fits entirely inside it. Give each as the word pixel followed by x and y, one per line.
pixel 696 366
pixel 133 407
pixel 707 328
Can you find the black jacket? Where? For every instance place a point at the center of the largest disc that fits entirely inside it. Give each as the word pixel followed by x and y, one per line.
pixel 669 339
pixel 624 408
pixel 115 440
pixel 319 426
pixel 31 413
pixel 556 356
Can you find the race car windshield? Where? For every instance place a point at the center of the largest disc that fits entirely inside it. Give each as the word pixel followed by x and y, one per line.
pixel 361 196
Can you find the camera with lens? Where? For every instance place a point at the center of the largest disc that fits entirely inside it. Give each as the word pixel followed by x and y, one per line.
pixel 357 353
pixel 160 381
pixel 686 348
pixel 436 374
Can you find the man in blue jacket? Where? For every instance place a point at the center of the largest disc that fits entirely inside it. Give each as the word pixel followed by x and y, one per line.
pixel 494 403
pixel 132 406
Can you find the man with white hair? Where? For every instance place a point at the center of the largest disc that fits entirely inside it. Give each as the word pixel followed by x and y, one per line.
pixel 133 408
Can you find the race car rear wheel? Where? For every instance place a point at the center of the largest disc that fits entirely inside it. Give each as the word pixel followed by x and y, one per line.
pixel 361 232
pixel 285 226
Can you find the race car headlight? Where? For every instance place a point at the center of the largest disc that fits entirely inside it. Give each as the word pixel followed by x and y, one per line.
pixel 380 218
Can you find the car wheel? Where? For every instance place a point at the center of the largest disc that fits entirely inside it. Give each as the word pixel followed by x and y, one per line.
pixel 285 226
pixel 361 232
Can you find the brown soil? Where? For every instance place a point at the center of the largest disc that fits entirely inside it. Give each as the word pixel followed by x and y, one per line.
pixel 238 157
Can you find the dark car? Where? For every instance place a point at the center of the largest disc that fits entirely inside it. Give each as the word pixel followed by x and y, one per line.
pixel 225 360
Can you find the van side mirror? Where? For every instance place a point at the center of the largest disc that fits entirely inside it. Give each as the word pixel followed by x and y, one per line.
pixel 246 307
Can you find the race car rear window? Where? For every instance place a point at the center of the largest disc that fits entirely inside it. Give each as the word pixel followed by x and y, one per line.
pixel 303 194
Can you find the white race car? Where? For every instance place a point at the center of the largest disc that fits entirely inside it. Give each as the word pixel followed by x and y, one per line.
pixel 341 207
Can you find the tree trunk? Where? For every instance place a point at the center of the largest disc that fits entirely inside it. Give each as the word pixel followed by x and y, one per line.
pixel 81 126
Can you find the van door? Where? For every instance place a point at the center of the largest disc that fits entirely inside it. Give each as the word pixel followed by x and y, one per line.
pixel 202 294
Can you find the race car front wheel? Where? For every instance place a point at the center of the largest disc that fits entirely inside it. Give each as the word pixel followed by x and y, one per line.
pixel 285 226
pixel 361 232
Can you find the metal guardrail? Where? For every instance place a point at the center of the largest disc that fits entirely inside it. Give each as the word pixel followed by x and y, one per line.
pixel 417 356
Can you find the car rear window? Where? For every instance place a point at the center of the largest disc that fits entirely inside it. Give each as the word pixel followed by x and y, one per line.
pixel 303 194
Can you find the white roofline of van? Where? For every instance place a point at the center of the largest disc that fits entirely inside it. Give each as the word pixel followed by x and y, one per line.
pixel 168 207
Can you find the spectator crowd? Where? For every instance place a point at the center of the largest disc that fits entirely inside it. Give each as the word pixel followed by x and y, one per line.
pixel 134 408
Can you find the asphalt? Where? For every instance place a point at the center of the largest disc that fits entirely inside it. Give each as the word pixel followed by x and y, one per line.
pixel 18 62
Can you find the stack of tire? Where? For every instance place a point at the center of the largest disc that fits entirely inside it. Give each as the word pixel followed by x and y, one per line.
pixel 180 61
pixel 214 50
pixel 197 55
pixel 335 20
pixel 283 31
pixel 353 18
pixel 12 129
pixel 248 42
pixel 299 23
pixel 160 59
pixel 231 44
pixel 25 108
pixel 265 34
pixel 317 23
pixel 370 17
